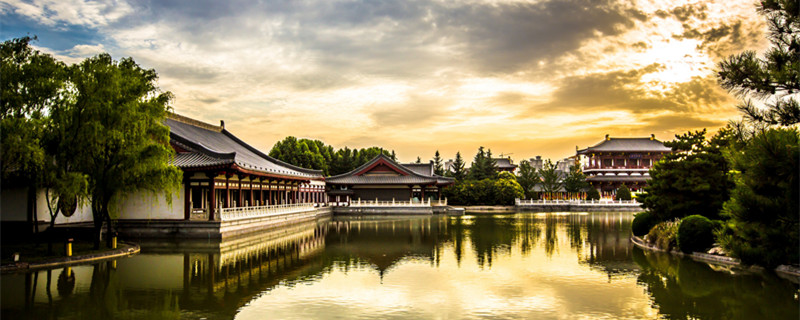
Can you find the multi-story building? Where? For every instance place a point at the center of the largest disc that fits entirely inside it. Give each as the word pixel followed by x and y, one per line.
pixel 617 161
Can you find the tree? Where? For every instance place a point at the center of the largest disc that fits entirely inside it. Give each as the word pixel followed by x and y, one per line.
pixel 763 208
pixel 527 178
pixel 575 181
pixel 506 189
pixel 691 180
pixel 551 179
pixel 115 132
pixel 623 193
pixel 438 167
pixel 483 166
pixel 34 86
pixel 592 194
pixel 305 153
pixel 774 79
pixel 459 173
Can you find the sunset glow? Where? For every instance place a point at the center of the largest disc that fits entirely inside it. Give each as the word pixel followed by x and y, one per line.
pixel 528 78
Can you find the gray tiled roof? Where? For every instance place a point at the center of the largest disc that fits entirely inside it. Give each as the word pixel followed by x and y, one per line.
pixel 627 145
pixel 504 163
pixel 425 169
pixel 211 147
pixel 411 177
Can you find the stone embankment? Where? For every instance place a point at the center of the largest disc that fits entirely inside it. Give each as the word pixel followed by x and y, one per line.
pixel 124 250
pixel 577 206
pixel 785 271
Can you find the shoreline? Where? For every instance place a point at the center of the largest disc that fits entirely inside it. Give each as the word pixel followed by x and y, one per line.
pixel 124 250
pixel 784 271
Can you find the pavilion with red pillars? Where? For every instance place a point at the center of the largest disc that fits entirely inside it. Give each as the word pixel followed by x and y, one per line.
pixel 222 171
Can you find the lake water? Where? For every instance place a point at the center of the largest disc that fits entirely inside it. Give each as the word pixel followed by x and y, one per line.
pixel 533 266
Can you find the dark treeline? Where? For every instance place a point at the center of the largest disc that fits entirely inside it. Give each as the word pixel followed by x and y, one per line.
pixel 315 154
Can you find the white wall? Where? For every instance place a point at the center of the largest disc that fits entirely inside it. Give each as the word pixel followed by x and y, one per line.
pixel 145 205
pixel 14 204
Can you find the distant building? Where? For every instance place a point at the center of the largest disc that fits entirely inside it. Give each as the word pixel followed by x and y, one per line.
pixel 617 161
pixel 384 179
pixel 505 164
pixel 537 163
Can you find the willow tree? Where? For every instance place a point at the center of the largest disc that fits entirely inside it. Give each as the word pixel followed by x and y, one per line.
pixel 34 85
pixel 115 133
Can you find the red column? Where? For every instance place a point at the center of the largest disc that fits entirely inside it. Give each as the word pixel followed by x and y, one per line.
pixel 212 199
pixel 227 192
pixel 187 210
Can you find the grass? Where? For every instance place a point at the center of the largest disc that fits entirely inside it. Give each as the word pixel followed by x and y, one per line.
pixel 33 253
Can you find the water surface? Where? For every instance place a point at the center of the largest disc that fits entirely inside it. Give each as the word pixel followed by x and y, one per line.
pixel 543 266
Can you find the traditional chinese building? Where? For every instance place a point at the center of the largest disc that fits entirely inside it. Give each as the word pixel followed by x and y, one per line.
pixel 617 161
pixel 222 171
pixel 505 164
pixel 385 180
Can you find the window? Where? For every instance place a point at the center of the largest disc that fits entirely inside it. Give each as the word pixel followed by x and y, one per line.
pixel 646 162
pixel 606 162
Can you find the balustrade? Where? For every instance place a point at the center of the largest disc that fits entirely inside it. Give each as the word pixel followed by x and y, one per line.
pixel 238 213
pixel 576 202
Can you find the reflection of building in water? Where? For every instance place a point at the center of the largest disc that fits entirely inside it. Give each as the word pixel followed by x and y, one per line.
pixel 603 241
pixel 213 278
pixel 382 242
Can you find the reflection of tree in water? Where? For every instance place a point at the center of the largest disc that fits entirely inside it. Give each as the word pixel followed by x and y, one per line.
pixel 491 235
pixel 686 289
pixel 528 233
pixel 550 235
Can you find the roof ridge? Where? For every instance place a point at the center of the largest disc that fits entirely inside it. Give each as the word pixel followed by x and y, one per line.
pixel 194 122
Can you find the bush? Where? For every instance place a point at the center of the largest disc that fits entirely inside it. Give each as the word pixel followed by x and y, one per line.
pixel 696 233
pixel 592 194
pixel 623 193
pixel 664 235
pixel 642 223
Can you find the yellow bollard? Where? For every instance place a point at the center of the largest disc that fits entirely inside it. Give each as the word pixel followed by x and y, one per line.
pixel 114 241
pixel 69 247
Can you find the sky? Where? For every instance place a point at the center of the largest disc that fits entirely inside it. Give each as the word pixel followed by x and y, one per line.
pixel 522 78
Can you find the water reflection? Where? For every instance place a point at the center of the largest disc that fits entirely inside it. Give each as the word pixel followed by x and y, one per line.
pixel 510 265
pixel 684 289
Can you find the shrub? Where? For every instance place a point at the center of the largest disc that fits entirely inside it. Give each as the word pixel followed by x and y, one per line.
pixel 623 193
pixel 664 235
pixel 642 223
pixel 696 233
pixel 592 194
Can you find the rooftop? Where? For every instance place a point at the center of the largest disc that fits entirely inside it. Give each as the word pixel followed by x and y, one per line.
pixel 647 144
pixel 210 145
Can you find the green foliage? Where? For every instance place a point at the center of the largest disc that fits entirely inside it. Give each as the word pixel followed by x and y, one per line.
pixel 483 166
pixel 306 153
pixel 664 235
pixel 551 179
pixel 115 131
pixel 695 234
pixel 501 191
pixel 575 181
pixel 32 84
pixel 763 209
pixel 458 171
pixel 642 223
pixel 315 154
pixel 438 167
pixel 775 78
pixel 592 194
pixel 527 178
pixel 692 179
pixel 623 193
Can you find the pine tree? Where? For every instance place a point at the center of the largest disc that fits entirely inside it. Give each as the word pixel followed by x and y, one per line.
pixel 458 168
pixel 438 168
pixel 774 79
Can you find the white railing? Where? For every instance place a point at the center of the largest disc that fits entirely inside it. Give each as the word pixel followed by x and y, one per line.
pixel 395 203
pixel 239 213
pixel 576 202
